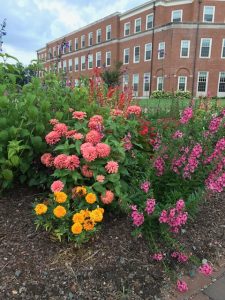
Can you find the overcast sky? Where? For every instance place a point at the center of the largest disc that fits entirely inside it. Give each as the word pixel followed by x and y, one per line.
pixel 33 23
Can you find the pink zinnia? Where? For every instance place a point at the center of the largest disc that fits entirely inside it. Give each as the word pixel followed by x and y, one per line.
pixel 95 122
pixel 57 186
pixel 103 150
pixel 108 197
pixel 112 167
pixel 78 136
pixel 47 159
pixel 72 162
pixel 100 178
pixel 116 112
pixel 79 115
pixel 70 133
pixel 52 137
pixel 93 136
pixel 60 161
pixel 182 286
pixel 88 151
pixel 53 121
pixel 61 128
pixel 86 172
pixel 206 269
pixel 134 109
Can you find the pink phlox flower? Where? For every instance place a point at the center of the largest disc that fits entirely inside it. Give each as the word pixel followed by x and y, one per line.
pixel 182 286
pixel 158 256
pixel 145 186
pixel 206 269
pixel 186 115
pixel 177 135
pixel 150 206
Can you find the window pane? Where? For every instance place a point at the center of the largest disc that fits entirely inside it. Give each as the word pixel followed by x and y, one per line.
pixel 208 13
pixel 149 21
pixel 222 82
pixel 202 81
pixel 176 16
pixel 205 49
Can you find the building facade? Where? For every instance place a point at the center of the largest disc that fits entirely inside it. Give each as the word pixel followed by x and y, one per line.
pixel 164 45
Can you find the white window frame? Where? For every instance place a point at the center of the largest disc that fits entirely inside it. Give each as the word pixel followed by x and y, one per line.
pixel 189 42
pixel 59 66
pixel 124 52
pixel 108 29
pixel 134 61
pixel 146 75
pixel 65 66
pixel 97 31
pixel 76 44
pixel 96 59
pixel 70 65
pixel 124 29
pixel 159 48
pixel 125 82
pixel 146 52
pixel 135 25
pixel 185 82
pixel 200 93
pixel 204 9
pixel 146 25
pixel 135 93
pixel 158 79
pixel 175 11
pixel 70 46
pixel 89 56
pixel 220 94
pixel 90 35
pixel 82 62
pixel 210 48
pixel 106 56
pixel 82 40
pixel 76 63
pixel 223 47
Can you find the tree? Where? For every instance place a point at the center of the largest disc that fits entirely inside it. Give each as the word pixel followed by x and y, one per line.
pixel 112 76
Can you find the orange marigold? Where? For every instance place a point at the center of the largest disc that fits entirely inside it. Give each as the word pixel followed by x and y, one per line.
pixel 76 228
pixel 78 217
pixel 79 191
pixel 59 211
pixel 89 224
pixel 96 215
pixel 85 213
pixel 60 197
pixel 91 198
pixel 40 209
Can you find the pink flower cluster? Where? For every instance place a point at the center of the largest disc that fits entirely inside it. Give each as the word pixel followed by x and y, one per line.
pixel 61 128
pixel 177 135
pixel 206 269
pixel 193 161
pixel 93 137
pixel 186 115
pixel 159 165
pixel 182 286
pixel 95 123
pixel 219 148
pixel 52 137
pixel 145 186
pixel 178 163
pixel 137 217
pixel 175 217
pixel 133 110
pixel 90 151
pixel 150 206
pixel 181 257
pixel 127 142
pixel 214 125
pixel 108 197
pixel 70 162
pixel 57 186
pixel 216 179
pixel 86 172
pixel 79 115
pixel 47 159
pixel 157 142
pixel 112 167
pixel 158 256
pixel 100 178
pixel 53 121
pixel 116 112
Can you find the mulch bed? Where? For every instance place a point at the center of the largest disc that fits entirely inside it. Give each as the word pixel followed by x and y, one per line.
pixel 112 266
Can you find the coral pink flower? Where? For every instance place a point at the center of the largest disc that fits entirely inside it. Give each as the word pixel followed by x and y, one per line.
pixel 133 109
pixel 52 137
pixel 57 186
pixel 53 121
pixel 70 133
pixel 103 150
pixel 72 162
pixel 86 172
pixel 112 167
pixel 116 112
pixel 95 122
pixel 79 115
pixel 97 118
pixel 78 136
pixel 88 151
pixel 100 178
pixel 47 159
pixel 108 197
pixel 93 136
pixel 206 269
pixel 61 128
pixel 158 256
pixel 60 161
pixel 182 286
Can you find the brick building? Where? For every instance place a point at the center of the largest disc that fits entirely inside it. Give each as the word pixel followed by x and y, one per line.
pixel 164 45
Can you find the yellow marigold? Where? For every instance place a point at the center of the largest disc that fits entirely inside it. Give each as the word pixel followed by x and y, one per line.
pixel 90 198
pixel 79 190
pixel 89 224
pixel 40 209
pixel 76 228
pixel 60 197
pixel 78 217
pixel 96 215
pixel 59 211
pixel 101 209
pixel 85 213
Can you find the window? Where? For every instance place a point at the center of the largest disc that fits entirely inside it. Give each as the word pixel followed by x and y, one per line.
pixel 221 82
pixel 135 84
pixel 59 50
pixel 127 29
pixel 208 14
pixel 82 41
pixel 160 83
pixel 149 21
pixel 182 83
pixel 161 50
pixel 184 48
pixel 126 56
pixel 176 15
pixel 148 51
pixel 98 36
pixel 202 81
pixel 59 66
pixel 70 65
pixel 76 62
pixel 76 82
pixel 90 61
pixel 146 84
pixel 83 63
pixel 108 32
pixel 54 51
pixel 98 59
pixel 70 46
pixel 205 50
pixel 137 25
pixel 76 44
pixel 137 54
pixel 108 58
pixel 125 81
pixel 223 49
pixel 64 66
pixel 90 39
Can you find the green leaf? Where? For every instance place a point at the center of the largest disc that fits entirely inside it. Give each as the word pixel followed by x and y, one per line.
pixel 15 160
pixel 7 174
pixel 98 187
